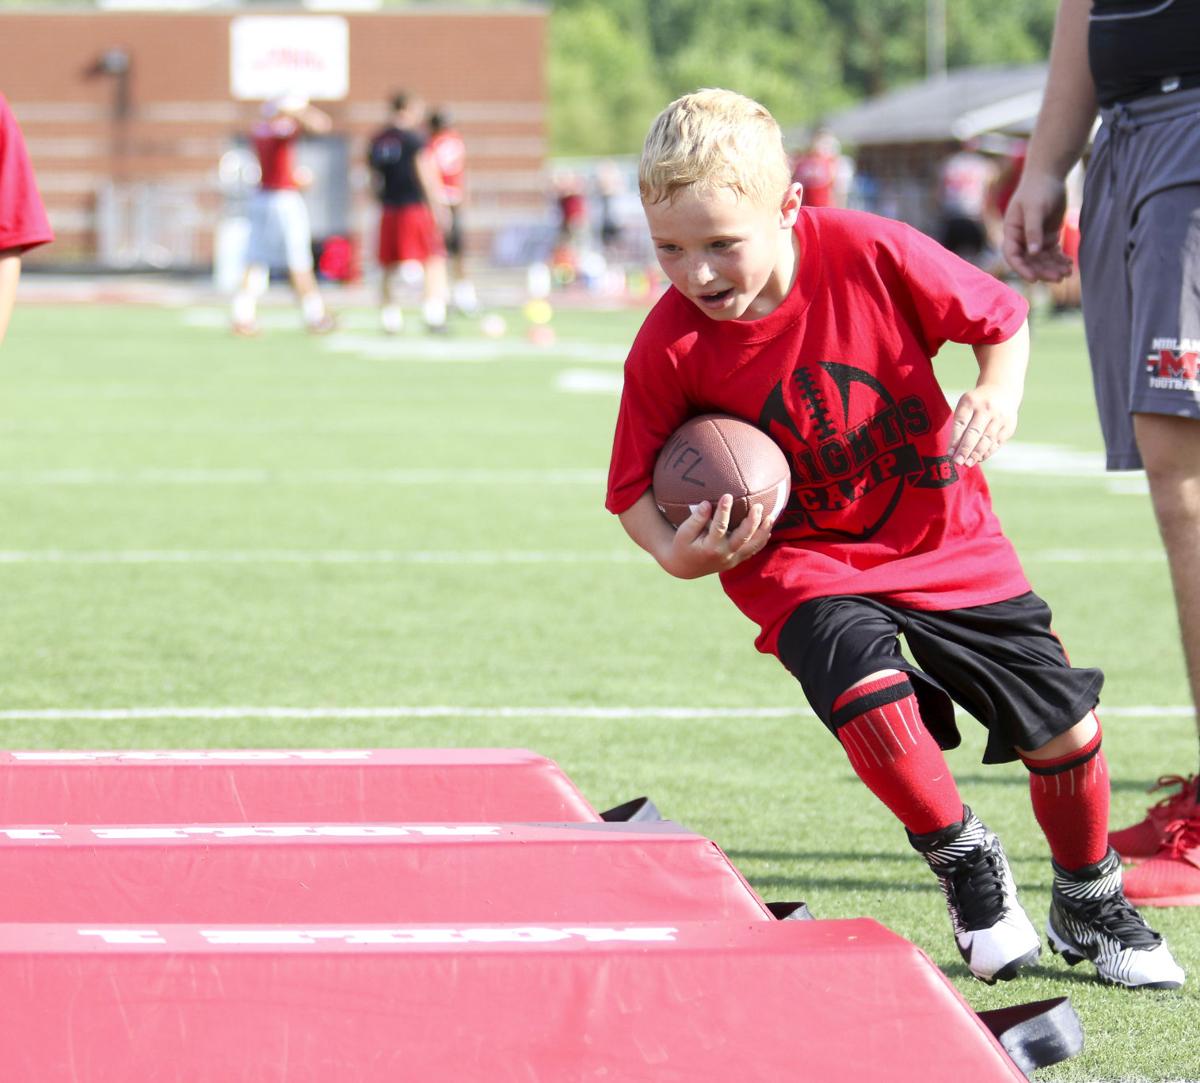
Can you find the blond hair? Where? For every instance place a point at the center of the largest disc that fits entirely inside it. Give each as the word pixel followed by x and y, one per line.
pixel 714 139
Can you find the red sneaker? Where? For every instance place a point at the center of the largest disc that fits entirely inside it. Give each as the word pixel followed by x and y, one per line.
pixel 1172 876
pixel 1146 838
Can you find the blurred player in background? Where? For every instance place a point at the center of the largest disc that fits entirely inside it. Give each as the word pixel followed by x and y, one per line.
pixel 570 201
pixel 821 171
pixel 23 221
pixel 410 195
pixel 963 185
pixel 279 224
pixel 449 154
pixel 609 186
pixel 1137 62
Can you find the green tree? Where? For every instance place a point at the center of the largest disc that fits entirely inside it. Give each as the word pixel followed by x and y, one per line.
pixel 614 63
pixel 974 36
pixel 785 63
pixel 604 90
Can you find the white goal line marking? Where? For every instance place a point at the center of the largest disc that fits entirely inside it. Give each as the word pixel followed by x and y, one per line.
pixel 456 556
pixel 129 714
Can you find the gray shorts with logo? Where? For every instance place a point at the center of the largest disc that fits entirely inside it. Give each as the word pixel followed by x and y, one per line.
pixel 1139 262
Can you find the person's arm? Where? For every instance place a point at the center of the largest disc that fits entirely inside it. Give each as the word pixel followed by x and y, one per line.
pixel 10 274
pixel 1035 213
pixel 703 543
pixel 986 416
pixel 431 184
pixel 313 120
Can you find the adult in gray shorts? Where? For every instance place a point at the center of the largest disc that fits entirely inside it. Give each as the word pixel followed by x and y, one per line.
pixel 1136 62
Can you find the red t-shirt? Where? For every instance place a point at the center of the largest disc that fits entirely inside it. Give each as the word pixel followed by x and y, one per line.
pixel 274 140
pixel 450 156
pixel 840 374
pixel 23 221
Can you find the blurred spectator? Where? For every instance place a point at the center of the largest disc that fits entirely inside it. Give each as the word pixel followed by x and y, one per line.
pixel 449 154
pixel 822 171
pixel 23 222
pixel 279 224
pixel 570 200
pixel 1007 176
pixel 410 193
pixel 964 181
pixel 608 188
pixel 1064 294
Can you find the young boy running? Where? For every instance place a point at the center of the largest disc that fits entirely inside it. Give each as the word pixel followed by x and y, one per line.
pixel 819 326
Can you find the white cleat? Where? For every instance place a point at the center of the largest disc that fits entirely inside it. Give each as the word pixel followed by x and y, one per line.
pixel 1090 918
pixel 994 934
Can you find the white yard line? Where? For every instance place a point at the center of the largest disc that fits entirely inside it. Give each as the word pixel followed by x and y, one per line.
pixel 451 350
pixel 131 714
pixel 589 381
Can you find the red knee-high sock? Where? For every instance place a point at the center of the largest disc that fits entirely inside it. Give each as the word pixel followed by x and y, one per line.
pixel 1070 801
pixel 880 727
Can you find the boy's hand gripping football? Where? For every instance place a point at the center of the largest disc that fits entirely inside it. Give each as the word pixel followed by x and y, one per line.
pixel 704 543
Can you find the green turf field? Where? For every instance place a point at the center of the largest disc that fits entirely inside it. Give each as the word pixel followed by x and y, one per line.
pixel 358 541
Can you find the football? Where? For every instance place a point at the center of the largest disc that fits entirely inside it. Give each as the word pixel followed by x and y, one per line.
pixel 714 454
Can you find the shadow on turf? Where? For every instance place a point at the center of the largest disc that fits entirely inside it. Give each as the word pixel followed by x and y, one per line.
pixel 816 855
pixel 898 855
pixel 966 781
pixel 1050 969
pixel 798 885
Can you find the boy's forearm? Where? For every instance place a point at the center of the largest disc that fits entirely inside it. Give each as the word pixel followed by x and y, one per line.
pixel 986 416
pixel 645 524
pixel 1003 364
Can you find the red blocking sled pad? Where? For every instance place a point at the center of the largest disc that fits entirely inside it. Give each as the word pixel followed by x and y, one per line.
pixel 672 1003
pixel 375 872
pixel 249 785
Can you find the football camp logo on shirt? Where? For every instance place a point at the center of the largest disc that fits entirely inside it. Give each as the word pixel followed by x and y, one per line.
pixel 851 446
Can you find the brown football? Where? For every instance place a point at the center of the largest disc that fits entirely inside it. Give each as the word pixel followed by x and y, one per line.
pixel 714 454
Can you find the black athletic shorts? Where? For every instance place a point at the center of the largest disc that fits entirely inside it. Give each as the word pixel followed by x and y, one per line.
pixel 1001 663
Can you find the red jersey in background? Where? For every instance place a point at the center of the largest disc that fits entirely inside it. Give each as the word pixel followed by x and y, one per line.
pixel 817 173
pixel 23 221
pixel 449 154
pixel 274 141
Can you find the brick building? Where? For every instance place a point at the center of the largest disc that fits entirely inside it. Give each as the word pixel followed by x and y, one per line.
pixel 136 120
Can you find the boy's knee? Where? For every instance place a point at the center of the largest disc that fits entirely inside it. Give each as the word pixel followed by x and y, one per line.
pixel 1080 736
pixel 880 688
pixel 878 675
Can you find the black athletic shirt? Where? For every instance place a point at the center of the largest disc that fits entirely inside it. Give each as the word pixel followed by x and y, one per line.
pixel 1134 45
pixel 393 156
